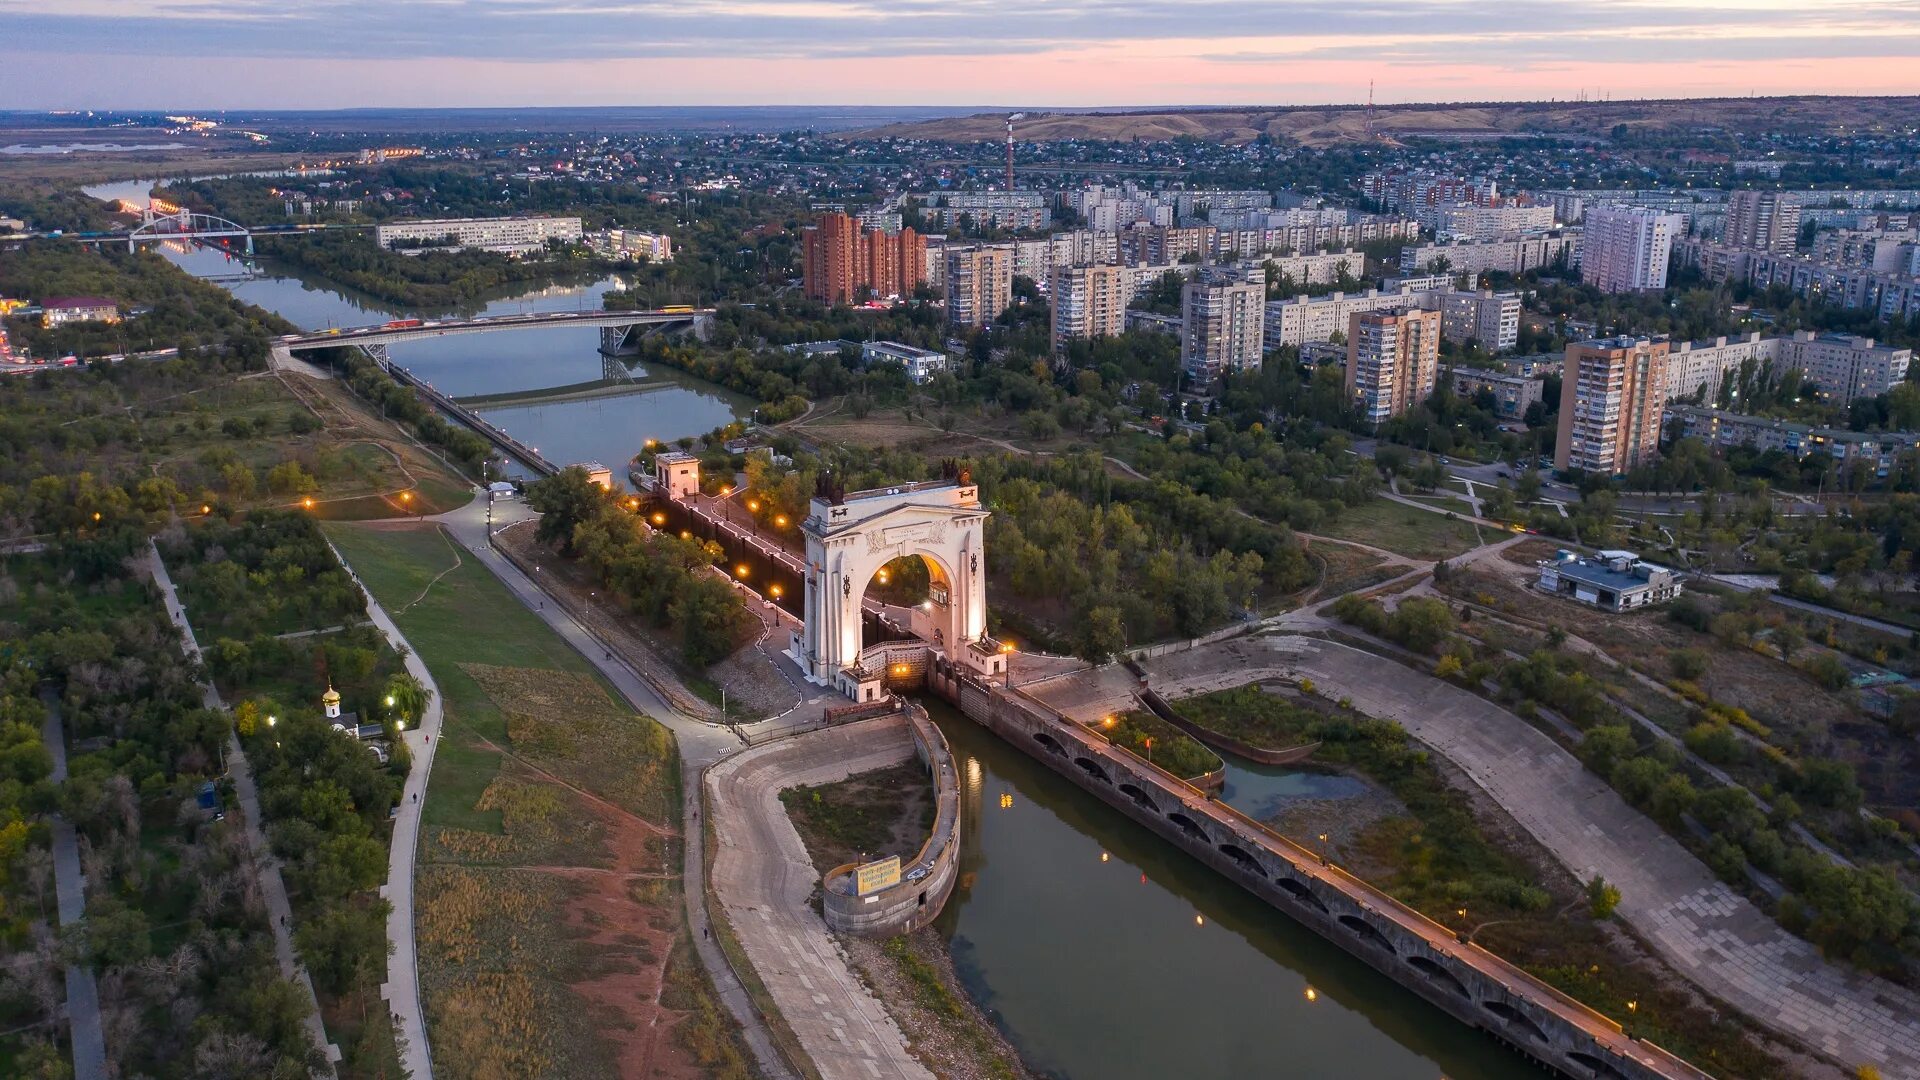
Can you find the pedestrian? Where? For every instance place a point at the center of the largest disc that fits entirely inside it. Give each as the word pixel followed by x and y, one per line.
pixel 706 932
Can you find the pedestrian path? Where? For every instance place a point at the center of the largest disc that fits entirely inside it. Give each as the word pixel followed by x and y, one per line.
pixel 83 993
pixel 402 988
pixel 272 886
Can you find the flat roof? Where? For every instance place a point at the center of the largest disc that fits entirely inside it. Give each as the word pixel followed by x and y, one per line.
pixel 1593 574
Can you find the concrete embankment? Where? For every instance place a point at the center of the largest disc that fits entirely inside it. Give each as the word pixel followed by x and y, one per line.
pixel 927 879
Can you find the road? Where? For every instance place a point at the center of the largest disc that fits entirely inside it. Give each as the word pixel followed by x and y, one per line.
pixel 701 745
pixel 83 992
pixel 272 886
pixel 766 881
pixel 402 988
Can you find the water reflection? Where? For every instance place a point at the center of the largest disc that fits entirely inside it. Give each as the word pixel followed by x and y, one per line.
pixel 607 429
pixel 1104 952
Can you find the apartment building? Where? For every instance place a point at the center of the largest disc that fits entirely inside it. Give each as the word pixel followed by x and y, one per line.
pixel 1488 318
pixel 1324 268
pixel 507 236
pixel 1495 256
pixel 1393 358
pixel 1088 302
pixel 988 209
pixel 1766 220
pixel 1611 401
pixel 1365 228
pixel 1625 248
pixel 842 263
pixel 1411 190
pixel 1841 367
pixel 1513 395
pixel 979 283
pixel 1882 251
pixel 1721 428
pixel 1492 319
pixel 1223 318
pixel 1487 223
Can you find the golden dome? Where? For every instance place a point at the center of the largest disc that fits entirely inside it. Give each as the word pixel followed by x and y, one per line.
pixel 331 697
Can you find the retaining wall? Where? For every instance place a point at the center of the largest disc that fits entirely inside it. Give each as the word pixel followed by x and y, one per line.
pixel 914 901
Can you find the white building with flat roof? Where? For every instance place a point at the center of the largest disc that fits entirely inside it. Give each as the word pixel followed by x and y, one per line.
pixel 1492 319
pixel 508 235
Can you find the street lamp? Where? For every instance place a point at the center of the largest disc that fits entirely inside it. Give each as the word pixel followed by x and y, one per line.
pixel 1323 850
pixel 389 701
pixel 272 720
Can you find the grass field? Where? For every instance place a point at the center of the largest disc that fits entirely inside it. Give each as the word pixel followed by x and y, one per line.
pixel 1394 526
pixel 397 565
pixel 549 884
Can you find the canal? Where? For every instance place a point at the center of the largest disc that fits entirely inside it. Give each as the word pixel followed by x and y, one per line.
pixel 610 428
pixel 1103 952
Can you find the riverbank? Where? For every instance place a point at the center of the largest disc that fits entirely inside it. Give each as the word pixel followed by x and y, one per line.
pixel 1441 845
pixel 888 811
pixel 548 395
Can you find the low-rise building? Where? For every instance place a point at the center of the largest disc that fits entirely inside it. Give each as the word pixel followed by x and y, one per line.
pixel 1153 322
pixel 633 244
pixel 1721 429
pixel 62 310
pixel 1513 395
pixel 1611 580
pixel 921 364
pixel 507 235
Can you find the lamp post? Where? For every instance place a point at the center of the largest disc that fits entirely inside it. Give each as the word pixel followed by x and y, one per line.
pixel 1323 850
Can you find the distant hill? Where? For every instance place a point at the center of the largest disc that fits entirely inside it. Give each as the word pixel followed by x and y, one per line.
pixel 1326 125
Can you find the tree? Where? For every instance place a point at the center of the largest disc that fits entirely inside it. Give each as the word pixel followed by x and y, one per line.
pixel 1103 633
pixel 1602 897
pixel 564 501
pixel 345 945
pixel 1421 623
pixel 407 697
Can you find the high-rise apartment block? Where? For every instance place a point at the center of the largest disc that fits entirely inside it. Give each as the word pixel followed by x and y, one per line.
pixel 1625 248
pixel 842 263
pixel 1612 395
pixel 1223 312
pixel 1393 359
pixel 979 283
pixel 1088 302
pixel 1767 220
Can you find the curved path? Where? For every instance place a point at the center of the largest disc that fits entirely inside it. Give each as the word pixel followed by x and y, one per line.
pixel 402 988
pixel 1706 930
pixel 765 880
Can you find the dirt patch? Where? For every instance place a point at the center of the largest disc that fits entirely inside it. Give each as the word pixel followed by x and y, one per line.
pixel 887 811
pixel 1343 822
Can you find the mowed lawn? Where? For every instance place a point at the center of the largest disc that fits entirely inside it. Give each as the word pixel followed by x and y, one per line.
pixel 1417 534
pixel 466 617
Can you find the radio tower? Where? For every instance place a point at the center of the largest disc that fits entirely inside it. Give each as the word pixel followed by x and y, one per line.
pixel 1369 128
pixel 1010 119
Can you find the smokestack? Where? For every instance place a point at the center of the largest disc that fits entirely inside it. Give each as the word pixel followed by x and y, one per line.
pixel 1010 120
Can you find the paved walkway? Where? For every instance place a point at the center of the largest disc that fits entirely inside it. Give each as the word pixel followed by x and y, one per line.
pixel 401 991
pixel 1709 932
pixel 272 886
pixel 83 993
pixel 700 744
pixel 764 878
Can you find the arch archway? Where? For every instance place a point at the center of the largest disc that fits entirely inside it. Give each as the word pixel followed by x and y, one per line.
pixel 851 537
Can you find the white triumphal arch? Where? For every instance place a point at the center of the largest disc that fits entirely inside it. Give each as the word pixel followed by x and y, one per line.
pixel 850 536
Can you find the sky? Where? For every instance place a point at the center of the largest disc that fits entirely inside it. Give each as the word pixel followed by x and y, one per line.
pixel 206 54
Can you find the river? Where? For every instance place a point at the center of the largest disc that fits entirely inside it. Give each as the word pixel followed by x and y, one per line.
pixel 665 404
pixel 1102 951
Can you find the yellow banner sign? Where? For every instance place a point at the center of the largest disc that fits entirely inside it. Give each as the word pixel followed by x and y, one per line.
pixel 874 876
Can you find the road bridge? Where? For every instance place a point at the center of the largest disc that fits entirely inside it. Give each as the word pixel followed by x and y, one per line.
pixel 618 329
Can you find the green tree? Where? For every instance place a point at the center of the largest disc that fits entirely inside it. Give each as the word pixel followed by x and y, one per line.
pixel 1602 897
pixel 1103 633
pixel 564 501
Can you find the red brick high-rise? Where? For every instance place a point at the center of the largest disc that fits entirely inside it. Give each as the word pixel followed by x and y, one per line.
pixel 843 263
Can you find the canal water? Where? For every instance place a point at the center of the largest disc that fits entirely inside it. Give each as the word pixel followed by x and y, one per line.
pixel 1105 953
pixel 663 403
pixel 1102 951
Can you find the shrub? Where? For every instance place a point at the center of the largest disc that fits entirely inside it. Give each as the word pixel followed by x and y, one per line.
pixel 1687 663
pixel 1602 897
